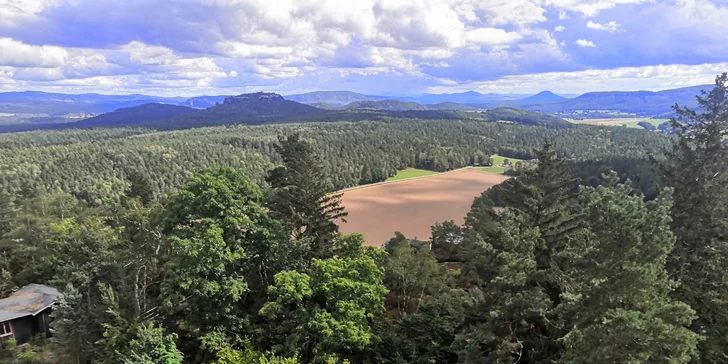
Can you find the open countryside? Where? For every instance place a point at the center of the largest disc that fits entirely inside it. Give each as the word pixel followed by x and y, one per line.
pixel 413 206
pixel 363 182
pixel 628 122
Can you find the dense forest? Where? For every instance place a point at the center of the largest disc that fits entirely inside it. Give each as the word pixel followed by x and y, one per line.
pixel 100 165
pixel 219 245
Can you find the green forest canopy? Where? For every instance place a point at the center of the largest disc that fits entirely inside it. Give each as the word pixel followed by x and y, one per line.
pixel 164 257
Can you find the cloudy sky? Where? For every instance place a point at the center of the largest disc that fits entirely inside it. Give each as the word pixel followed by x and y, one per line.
pixel 192 47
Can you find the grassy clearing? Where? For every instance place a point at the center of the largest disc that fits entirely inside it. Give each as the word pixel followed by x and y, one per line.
pixel 654 122
pixel 608 121
pixel 494 169
pixel 499 160
pixel 498 166
pixel 411 173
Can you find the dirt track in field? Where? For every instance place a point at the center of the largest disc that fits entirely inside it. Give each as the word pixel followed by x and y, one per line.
pixel 413 206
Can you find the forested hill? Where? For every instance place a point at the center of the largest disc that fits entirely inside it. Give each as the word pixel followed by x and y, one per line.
pixel 333 98
pixel 267 108
pixel 646 103
pixel 522 116
pixel 387 105
pixel 138 115
pixel 96 164
pixel 221 245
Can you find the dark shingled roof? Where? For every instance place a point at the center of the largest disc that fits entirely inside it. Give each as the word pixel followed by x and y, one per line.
pixel 27 301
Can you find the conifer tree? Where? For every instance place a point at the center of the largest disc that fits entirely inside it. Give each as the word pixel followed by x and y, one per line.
pixel 544 200
pixel 697 170
pixel 621 309
pixel 545 195
pixel 303 196
pixel 505 312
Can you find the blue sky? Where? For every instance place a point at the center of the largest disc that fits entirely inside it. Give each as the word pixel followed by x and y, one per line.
pixel 193 47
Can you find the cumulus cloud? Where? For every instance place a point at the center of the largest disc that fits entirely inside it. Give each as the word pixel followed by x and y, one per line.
pixel 182 46
pixel 589 7
pixel 659 77
pixel 491 36
pixel 17 54
pixel 611 27
pixel 585 43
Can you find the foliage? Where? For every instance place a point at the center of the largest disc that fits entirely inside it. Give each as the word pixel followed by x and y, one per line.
pixel 327 308
pixel 152 346
pixel 623 297
pixel 411 273
pixel 161 258
pixel 505 313
pixel 695 169
pixel 303 197
pixel 68 327
pixel 97 164
pixel 225 250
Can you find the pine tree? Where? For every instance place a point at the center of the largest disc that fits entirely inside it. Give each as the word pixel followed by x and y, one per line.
pixel 621 309
pixel 69 326
pixel 544 199
pixel 696 169
pixel 303 196
pixel 141 186
pixel 545 196
pixel 504 311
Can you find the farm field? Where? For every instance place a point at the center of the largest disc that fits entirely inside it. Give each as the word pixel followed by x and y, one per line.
pixel 608 121
pixel 411 173
pixel 413 206
pixel 629 122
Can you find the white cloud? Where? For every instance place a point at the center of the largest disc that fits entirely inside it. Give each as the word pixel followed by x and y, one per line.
pixel 17 54
pixel 654 78
pixel 611 27
pixel 235 44
pixel 14 12
pixel 585 43
pixel 589 7
pixel 491 36
pixel 500 12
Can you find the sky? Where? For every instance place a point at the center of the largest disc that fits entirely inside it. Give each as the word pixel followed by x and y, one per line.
pixel 224 47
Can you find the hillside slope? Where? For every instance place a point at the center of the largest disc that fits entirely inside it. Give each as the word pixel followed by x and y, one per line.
pixel 254 108
pixel 542 97
pixel 136 115
pixel 646 103
pixel 390 105
pixel 525 117
pixel 58 104
pixel 333 98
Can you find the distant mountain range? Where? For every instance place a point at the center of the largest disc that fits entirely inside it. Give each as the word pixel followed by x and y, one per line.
pixel 57 104
pixel 333 98
pixel 391 105
pixel 642 103
pixel 542 97
pixel 33 106
pixel 262 108
pixel 136 115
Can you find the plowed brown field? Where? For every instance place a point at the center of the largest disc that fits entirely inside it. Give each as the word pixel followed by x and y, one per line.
pixel 413 206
